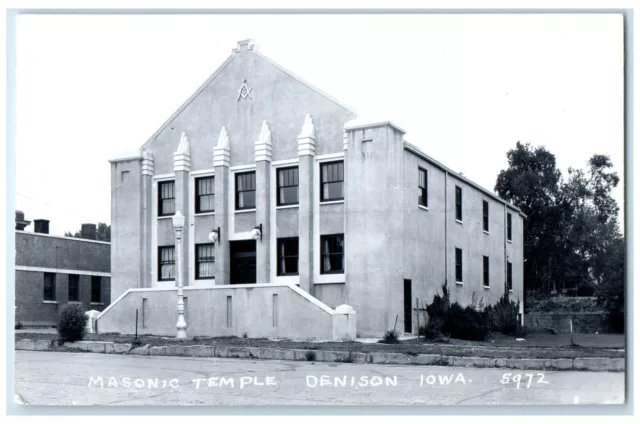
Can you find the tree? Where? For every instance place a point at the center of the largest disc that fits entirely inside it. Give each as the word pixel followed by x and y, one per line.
pixel 103 232
pixel 571 234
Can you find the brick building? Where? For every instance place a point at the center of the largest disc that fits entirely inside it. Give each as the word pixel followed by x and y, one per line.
pixel 51 271
pixel 345 209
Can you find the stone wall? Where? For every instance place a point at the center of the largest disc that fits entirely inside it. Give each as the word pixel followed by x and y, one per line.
pixel 583 322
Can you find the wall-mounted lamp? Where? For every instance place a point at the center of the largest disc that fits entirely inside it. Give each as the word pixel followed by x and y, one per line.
pixel 214 235
pixel 256 233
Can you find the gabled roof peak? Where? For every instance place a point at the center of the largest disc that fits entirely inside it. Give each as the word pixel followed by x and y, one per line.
pixel 245 45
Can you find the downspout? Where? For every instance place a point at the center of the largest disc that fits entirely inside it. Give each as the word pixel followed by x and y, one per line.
pixel 446 249
pixel 506 288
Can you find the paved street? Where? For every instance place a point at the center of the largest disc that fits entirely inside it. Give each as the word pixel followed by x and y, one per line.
pixel 55 378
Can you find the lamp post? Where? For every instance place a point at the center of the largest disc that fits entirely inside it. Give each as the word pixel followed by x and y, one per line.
pixel 178 225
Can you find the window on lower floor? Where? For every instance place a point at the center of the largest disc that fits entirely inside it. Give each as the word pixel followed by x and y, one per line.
pixel 74 288
pixel 458 265
pixel 288 186
pixel 166 263
pixel 49 286
pixel 332 254
pixel 205 261
pixel 205 197
pixel 166 198
pixel 332 181
pixel 96 289
pixel 485 270
pixel 288 256
pixel 246 190
pixel 509 276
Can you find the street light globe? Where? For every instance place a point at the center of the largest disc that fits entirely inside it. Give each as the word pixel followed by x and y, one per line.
pixel 178 219
pixel 213 236
pixel 255 234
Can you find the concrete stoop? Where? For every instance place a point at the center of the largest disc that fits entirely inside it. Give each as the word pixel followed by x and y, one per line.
pixel 245 352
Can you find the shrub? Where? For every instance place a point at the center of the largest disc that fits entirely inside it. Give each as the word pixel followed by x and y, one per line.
pixel 18 325
pixel 503 316
pixel 585 291
pixel 465 323
pixel 390 337
pixel 72 323
pixel 310 356
pixel 438 309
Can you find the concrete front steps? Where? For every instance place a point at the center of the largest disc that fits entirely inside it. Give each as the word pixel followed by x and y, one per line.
pixel 244 352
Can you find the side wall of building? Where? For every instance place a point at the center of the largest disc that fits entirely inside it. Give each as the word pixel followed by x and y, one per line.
pixel 126 225
pixel 37 254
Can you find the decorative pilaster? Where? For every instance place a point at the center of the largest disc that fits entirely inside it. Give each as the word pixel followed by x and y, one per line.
pixel 221 163
pixel 306 190
pixel 146 250
pixel 181 168
pixel 263 199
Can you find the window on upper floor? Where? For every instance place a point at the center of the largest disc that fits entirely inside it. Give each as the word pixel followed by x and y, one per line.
pixel 332 254
pixel 74 289
pixel 246 190
pixel 458 265
pixel 166 198
pixel 205 261
pixel 509 276
pixel 332 181
pixel 96 289
pixel 508 226
pixel 458 203
pixel 205 195
pixel 485 271
pixel 485 215
pixel 287 186
pixel 288 256
pixel 166 263
pixel 423 199
pixel 49 286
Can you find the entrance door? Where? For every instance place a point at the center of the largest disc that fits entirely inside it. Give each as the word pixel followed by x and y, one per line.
pixel 408 327
pixel 243 262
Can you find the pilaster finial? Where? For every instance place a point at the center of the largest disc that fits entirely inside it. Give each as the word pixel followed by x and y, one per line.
pixel 183 147
pixel 263 145
pixel 307 137
pixel 147 162
pixel 308 128
pixel 222 151
pixel 182 158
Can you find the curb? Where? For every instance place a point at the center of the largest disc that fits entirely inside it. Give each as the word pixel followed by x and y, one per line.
pixel 246 352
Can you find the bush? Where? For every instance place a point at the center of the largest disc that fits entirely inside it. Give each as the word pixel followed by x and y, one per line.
pixel 390 337
pixel 503 316
pixel 465 323
pixel 72 323
pixel 438 309
pixel 585 291
pixel 18 325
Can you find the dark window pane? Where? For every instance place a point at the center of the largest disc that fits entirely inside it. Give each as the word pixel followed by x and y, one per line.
pixel 485 215
pixel 246 190
pixel 74 294
pixel 49 286
pixel 459 265
pixel 166 264
pixel 205 261
pixel 205 198
pixel 508 226
pixel 422 187
pixel 96 289
pixel 287 186
pixel 458 203
pixel 332 253
pixel 332 181
pixel 166 198
pixel 485 270
pixel 288 256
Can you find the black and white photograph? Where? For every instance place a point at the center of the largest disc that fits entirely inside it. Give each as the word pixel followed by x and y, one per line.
pixel 297 209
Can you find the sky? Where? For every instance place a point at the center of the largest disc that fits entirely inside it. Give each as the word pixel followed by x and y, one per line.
pixel 466 88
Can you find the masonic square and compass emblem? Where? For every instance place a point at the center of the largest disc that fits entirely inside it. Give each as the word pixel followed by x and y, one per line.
pixel 244 91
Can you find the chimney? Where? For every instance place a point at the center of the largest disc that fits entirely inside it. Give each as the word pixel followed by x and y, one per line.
pixel 20 221
pixel 88 231
pixel 41 226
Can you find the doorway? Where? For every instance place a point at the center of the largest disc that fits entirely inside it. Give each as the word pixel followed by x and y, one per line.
pixel 243 262
pixel 408 325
